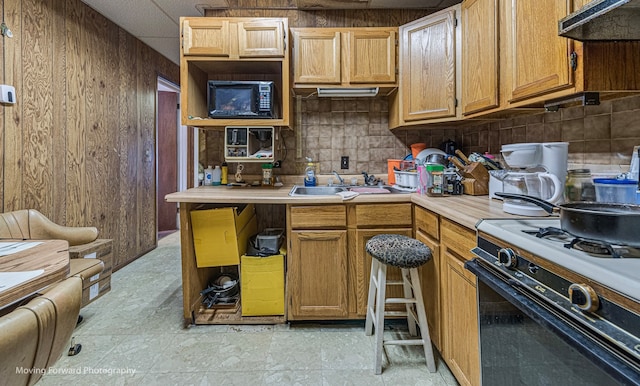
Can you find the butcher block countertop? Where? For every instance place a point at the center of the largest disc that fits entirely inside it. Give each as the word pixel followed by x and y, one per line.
pixel 465 210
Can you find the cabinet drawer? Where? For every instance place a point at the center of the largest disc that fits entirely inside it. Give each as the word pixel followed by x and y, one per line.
pixel 318 216
pixel 427 222
pixel 387 215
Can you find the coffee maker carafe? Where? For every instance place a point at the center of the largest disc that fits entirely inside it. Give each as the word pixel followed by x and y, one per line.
pixel 535 169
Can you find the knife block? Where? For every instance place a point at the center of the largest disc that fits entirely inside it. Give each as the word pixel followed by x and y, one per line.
pixel 474 187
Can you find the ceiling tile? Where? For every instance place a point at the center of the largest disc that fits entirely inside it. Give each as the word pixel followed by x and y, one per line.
pixel 139 17
pixel 169 47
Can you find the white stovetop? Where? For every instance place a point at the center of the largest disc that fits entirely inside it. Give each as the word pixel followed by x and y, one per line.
pixel 619 274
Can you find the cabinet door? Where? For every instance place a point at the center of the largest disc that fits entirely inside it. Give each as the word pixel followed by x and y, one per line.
pixel 261 39
pixel 363 269
pixel 426 230
pixel 317 275
pixel 480 66
pixel 372 56
pixel 316 56
pixel 428 67
pixel 205 36
pixel 459 305
pixel 539 58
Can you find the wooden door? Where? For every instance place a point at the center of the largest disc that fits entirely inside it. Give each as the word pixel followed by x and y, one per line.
pixel 480 61
pixel 317 275
pixel 261 39
pixel 371 55
pixel 428 67
pixel 363 269
pixel 459 305
pixel 167 143
pixel 430 281
pixel 205 36
pixel 316 56
pixel 539 58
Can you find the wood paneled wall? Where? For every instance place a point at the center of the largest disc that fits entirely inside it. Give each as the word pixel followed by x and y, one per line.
pixel 79 144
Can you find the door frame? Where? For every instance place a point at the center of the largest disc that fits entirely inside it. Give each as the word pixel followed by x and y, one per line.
pixel 182 144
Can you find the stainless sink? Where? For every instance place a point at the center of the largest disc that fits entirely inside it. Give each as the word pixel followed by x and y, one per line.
pixel 316 190
pixel 298 190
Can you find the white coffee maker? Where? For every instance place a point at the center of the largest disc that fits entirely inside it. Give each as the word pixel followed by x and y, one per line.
pixel 535 169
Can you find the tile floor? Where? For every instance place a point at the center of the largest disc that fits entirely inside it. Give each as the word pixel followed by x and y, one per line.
pixel 134 335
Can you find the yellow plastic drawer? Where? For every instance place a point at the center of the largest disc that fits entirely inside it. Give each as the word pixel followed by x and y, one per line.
pixel 220 235
pixel 262 285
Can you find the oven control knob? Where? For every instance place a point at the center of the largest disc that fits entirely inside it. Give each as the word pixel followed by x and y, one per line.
pixel 584 297
pixel 507 257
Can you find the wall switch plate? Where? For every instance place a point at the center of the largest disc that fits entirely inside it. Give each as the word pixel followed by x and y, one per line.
pixel 344 162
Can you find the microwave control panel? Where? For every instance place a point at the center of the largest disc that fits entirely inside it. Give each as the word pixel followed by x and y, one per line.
pixel 265 97
pixel 249 144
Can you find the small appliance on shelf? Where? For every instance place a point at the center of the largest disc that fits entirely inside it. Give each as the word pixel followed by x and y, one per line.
pixel 241 99
pixel 249 144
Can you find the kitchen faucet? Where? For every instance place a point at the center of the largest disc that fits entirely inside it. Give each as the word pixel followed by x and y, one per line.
pixel 338 177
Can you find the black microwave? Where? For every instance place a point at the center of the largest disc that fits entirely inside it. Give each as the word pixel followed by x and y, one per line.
pixel 241 99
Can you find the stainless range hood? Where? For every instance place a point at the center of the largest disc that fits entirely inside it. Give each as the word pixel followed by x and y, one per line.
pixel 603 20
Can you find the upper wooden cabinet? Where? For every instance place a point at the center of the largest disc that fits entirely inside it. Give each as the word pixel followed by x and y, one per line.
pixel 539 60
pixel 480 57
pixel 541 67
pixel 429 78
pixel 250 38
pixel 233 49
pixel 344 56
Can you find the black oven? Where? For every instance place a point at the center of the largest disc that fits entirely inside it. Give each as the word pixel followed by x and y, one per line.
pixel 532 334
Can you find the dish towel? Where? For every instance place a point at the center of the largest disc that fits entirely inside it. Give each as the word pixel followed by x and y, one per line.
pixel 347 195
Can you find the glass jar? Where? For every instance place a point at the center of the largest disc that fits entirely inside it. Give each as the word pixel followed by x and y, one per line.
pixel 579 186
pixel 267 175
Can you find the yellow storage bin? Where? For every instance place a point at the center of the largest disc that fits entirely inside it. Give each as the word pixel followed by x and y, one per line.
pixel 220 235
pixel 262 285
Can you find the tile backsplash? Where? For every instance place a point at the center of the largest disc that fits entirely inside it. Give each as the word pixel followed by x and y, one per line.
pixel 600 137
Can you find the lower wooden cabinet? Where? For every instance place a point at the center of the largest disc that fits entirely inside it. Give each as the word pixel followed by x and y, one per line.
pixel 317 275
pixel 459 328
pixel 427 230
pixel 363 269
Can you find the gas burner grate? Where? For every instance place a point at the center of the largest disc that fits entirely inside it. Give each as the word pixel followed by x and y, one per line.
pixel 593 247
pixel 596 248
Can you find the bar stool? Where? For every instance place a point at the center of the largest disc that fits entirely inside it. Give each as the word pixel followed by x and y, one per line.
pixel 407 254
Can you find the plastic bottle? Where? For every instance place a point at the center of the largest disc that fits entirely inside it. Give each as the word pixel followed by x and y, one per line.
pixel 208 176
pixel 267 174
pixel 216 176
pixel 224 178
pixel 310 173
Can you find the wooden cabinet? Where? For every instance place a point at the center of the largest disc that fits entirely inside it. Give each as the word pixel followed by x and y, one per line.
pixel 480 55
pixel 366 221
pixel 239 38
pixel 460 346
pixel 539 59
pixel 427 230
pixel 542 68
pixel 317 275
pixel 429 85
pixel 344 57
pixel 317 262
pixel 232 49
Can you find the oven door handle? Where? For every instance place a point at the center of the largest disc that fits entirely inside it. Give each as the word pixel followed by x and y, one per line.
pixel 561 326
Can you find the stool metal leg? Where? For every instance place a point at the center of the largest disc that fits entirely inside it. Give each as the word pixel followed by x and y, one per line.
pixel 368 326
pixel 379 313
pixel 422 320
pixel 408 294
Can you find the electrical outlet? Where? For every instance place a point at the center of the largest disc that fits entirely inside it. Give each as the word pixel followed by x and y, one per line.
pixel 344 162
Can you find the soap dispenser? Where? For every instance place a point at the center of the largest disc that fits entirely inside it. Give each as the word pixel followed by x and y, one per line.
pixel 310 173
